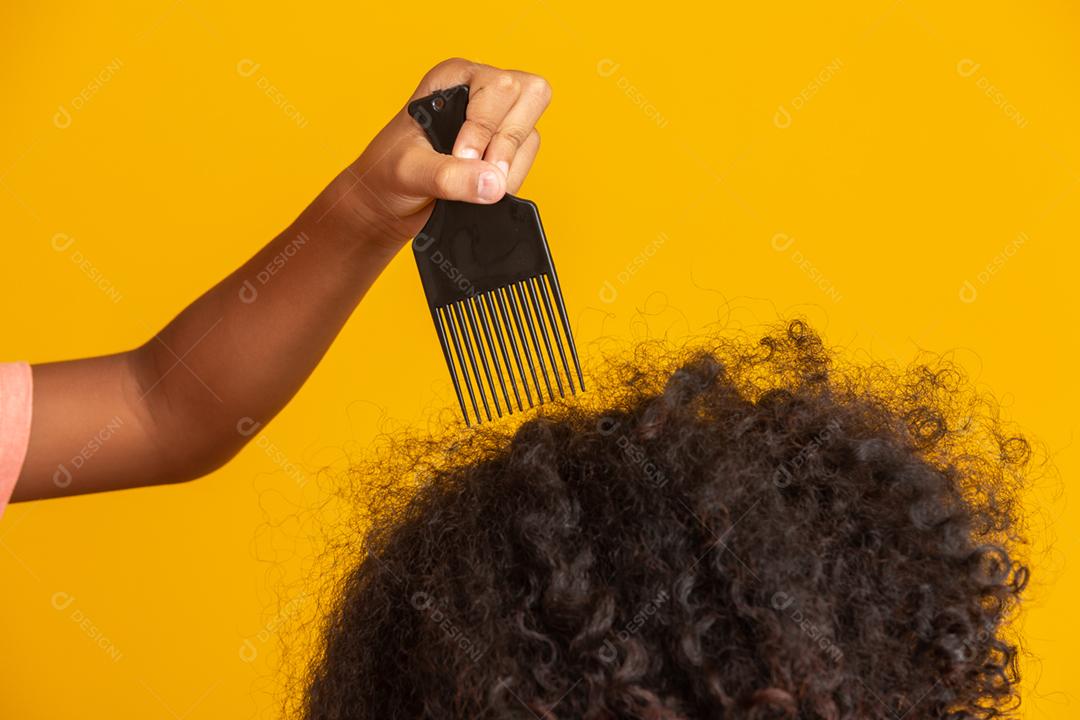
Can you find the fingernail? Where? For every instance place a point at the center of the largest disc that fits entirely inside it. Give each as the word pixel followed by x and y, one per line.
pixel 504 166
pixel 469 153
pixel 488 187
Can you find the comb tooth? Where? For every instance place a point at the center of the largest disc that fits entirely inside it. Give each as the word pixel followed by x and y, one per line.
pixel 535 339
pixel 556 293
pixel 513 347
pixel 544 333
pixel 473 323
pixel 536 289
pixel 449 362
pixel 472 360
pixel 542 289
pixel 489 312
pixel 524 344
pixel 461 361
pixel 491 326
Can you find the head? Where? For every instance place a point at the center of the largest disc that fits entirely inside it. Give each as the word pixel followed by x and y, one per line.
pixel 732 530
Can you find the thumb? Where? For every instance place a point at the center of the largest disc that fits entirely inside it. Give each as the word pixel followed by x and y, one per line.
pixel 432 174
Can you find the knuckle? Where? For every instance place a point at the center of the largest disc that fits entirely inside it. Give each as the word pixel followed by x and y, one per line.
pixel 514 134
pixel 452 66
pixel 444 177
pixel 541 88
pixel 504 81
pixel 400 170
pixel 452 62
pixel 483 125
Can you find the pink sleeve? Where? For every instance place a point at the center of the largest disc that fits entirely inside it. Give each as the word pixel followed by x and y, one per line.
pixel 16 388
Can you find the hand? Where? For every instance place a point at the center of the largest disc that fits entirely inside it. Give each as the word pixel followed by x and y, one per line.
pixel 392 184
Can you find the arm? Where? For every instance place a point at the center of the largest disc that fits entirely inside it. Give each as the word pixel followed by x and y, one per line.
pixel 187 400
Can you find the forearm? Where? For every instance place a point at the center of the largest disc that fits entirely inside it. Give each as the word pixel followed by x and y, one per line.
pixel 189 398
pixel 232 360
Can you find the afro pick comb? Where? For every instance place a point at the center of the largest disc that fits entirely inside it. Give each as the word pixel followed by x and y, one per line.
pixel 491 286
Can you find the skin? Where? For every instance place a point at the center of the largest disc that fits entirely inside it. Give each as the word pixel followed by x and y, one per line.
pixel 186 401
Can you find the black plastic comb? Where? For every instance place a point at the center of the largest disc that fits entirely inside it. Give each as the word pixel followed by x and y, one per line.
pixel 491 286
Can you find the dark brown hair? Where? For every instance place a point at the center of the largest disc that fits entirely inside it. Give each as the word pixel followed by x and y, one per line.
pixel 732 530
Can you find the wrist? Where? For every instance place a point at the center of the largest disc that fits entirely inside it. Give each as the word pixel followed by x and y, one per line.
pixel 340 215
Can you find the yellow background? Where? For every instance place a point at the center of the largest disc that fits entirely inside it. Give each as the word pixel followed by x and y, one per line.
pixel 925 145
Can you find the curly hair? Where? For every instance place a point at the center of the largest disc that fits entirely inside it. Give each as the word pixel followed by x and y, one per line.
pixel 733 529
